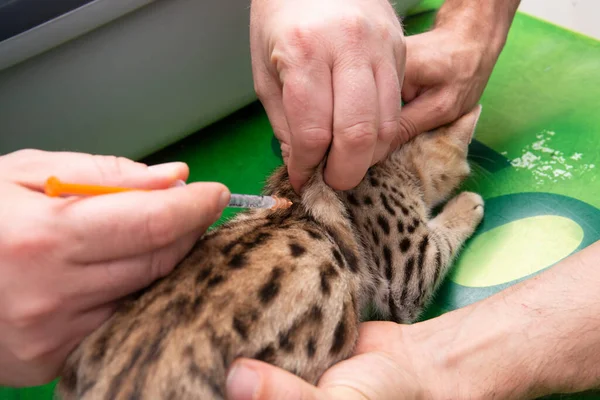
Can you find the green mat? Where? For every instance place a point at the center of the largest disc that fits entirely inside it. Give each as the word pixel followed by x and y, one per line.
pixel 535 156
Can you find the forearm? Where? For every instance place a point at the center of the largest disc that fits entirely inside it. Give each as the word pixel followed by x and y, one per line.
pixel 487 21
pixel 541 336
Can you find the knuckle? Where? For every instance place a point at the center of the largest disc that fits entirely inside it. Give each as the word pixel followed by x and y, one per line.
pixel 29 312
pixel 360 135
pixel 28 153
pixel 355 27
pixel 25 242
pixel 407 130
pixel 260 91
pixel 111 166
pixel 295 92
pixel 312 139
pixel 159 267
pixel 388 130
pixel 446 107
pixel 159 228
pixel 298 45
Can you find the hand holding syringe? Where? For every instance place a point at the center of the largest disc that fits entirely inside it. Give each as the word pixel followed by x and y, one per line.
pixel 54 188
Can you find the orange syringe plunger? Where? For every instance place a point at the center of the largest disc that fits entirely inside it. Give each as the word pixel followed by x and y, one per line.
pixel 54 188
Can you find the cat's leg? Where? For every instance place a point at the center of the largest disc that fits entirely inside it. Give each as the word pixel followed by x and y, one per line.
pixel 431 255
pixel 453 226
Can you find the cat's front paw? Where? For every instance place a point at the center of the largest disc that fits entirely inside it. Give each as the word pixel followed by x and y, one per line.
pixel 465 211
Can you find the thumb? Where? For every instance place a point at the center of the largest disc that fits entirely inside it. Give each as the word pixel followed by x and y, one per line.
pixel 423 114
pixel 32 168
pixel 256 380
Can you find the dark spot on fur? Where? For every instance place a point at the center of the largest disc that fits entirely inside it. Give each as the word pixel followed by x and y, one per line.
pixel 238 261
pixel 229 246
pixel 404 245
pixel 375 237
pixel 400 227
pixel 438 265
pixel 394 312
pixel 416 222
pixel 197 305
pixel 408 269
pixel 69 378
pixel 116 382
pixel 194 370
pixel 315 314
pixel 297 250
pixel 311 347
pixel 444 177
pixel 215 280
pixel 178 310
pixel 385 203
pixel 202 275
pixel 285 343
pixel 328 273
pixel 411 229
pixel 374 182
pixel 260 239
pixel 351 217
pixel 387 256
pixel 383 223
pixel 352 199
pixel 404 210
pixel 368 201
pixel 240 326
pixel 338 257
pixel 339 336
pixel 422 250
pixel 394 190
pixel 100 345
pixel 266 354
pixel 314 234
pixel 271 288
pixel 351 259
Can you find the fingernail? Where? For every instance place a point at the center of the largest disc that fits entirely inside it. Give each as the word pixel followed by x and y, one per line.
pixel 171 169
pixel 178 183
pixel 242 383
pixel 224 200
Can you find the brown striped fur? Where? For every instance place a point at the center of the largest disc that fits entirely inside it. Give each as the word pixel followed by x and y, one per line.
pixel 288 286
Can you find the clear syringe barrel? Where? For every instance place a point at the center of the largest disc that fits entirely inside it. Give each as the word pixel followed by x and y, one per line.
pixel 251 201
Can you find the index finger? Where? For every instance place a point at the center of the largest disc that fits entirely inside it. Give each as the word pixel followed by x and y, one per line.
pixel 428 111
pixel 112 227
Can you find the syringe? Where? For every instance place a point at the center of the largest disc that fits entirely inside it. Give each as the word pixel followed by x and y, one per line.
pixel 55 187
pixel 252 201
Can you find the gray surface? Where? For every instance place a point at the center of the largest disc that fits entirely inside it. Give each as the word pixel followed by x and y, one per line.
pixel 134 85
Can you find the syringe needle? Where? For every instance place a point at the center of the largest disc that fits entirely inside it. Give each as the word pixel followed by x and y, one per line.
pixel 252 201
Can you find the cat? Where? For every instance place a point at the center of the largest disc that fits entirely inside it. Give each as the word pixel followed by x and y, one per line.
pixel 288 286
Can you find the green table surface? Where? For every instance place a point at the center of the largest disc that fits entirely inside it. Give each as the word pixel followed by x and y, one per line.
pixel 536 159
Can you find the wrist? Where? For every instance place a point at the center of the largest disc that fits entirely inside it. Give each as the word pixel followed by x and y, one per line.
pixel 480 353
pixel 484 22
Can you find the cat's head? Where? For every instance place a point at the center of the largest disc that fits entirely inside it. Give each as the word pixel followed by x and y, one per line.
pixel 439 157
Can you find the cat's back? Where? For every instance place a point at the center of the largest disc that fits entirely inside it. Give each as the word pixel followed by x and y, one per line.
pixel 267 286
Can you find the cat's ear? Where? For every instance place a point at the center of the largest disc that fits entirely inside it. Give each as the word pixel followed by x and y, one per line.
pixel 463 129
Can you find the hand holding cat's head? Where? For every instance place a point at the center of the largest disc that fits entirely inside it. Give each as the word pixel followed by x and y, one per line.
pixel 439 157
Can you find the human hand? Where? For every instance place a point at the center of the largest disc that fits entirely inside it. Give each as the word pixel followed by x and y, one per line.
pixel 66 261
pixel 384 367
pixel 329 75
pixel 448 68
